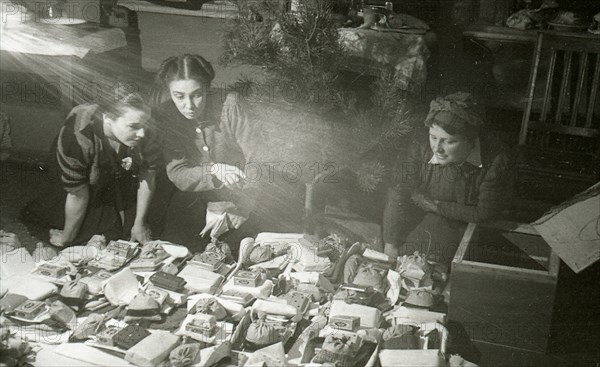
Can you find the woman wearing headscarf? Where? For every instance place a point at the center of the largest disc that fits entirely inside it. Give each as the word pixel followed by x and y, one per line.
pixel 454 173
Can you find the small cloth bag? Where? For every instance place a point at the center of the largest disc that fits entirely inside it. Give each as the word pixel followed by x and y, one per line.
pixel 153 250
pixel 185 355
pixel 220 247
pixel 89 327
pixel 210 306
pixel 336 351
pixel 367 276
pixel 64 315
pixel 401 337
pixel 143 307
pixel 259 333
pixel 414 270
pixel 73 293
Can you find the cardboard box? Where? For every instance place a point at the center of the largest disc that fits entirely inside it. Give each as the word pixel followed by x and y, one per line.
pixel 504 281
pixel 571 229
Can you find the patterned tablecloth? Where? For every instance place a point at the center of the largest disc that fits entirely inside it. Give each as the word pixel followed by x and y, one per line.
pixel 405 53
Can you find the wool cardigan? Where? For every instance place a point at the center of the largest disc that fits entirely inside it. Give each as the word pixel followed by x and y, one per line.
pixel 225 135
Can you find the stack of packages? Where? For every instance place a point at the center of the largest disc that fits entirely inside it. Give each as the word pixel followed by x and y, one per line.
pixel 288 299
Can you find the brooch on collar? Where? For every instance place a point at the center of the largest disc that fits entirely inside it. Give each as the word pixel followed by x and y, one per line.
pixel 127 163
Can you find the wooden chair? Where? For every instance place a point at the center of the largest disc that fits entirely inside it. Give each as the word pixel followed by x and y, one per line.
pixel 559 143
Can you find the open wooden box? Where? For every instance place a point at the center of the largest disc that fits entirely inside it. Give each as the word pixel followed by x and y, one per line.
pixel 503 286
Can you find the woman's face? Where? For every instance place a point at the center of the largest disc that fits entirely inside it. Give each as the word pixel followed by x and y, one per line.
pixel 448 148
pixel 189 97
pixel 130 127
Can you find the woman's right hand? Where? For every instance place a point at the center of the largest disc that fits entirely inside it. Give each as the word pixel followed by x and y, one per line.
pixel 230 176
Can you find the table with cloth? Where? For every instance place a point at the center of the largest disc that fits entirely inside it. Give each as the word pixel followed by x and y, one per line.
pixel 48 68
pixel 404 52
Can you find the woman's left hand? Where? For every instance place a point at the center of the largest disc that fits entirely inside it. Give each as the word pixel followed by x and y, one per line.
pixel 56 237
pixel 140 233
pixel 424 203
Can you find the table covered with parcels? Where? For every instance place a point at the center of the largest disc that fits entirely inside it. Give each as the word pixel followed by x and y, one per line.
pixel 286 299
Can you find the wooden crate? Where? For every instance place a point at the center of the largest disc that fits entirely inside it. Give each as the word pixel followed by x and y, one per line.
pixel 503 286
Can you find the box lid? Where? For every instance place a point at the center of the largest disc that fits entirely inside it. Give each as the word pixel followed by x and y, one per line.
pixel 572 229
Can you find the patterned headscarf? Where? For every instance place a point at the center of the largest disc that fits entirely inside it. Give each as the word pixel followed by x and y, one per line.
pixel 457 107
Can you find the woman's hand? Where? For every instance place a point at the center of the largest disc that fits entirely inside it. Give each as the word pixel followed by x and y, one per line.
pixel 57 238
pixel 140 233
pixel 230 176
pixel 424 203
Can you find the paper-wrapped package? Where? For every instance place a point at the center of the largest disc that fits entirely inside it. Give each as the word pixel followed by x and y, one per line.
pixel 411 358
pixel 306 258
pixel 271 356
pixel 262 291
pixel 221 217
pixel 16 262
pixel 121 288
pixel 153 349
pixel 31 287
pixel 274 306
pixel 200 280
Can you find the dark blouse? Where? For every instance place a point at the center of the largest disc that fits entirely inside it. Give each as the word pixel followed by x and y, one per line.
pixel 465 192
pixel 225 136
pixel 85 157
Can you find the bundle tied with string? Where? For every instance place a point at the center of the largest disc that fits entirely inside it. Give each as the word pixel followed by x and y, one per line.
pixel 259 333
pixel 185 355
pixel 368 276
pixel 221 248
pixel 73 293
pixel 211 306
pixel 335 350
pixel 153 250
pixel 415 270
pixel 401 337
pixel 89 327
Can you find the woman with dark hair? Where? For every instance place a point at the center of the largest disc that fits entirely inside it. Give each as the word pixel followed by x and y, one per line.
pixel 457 175
pixel 207 142
pixel 107 162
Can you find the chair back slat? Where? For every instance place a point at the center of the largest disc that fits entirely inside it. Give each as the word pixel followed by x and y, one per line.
pixel 581 77
pixel 592 104
pixel 559 139
pixel 549 81
pixel 564 86
pixel 532 78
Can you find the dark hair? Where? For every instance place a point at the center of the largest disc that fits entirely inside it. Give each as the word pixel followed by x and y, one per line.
pixel 454 125
pixel 186 66
pixel 125 97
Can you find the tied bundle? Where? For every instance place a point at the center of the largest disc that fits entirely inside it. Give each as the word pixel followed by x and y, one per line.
pixel 335 350
pixel 260 333
pixel 185 355
pixel 415 270
pixel 211 306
